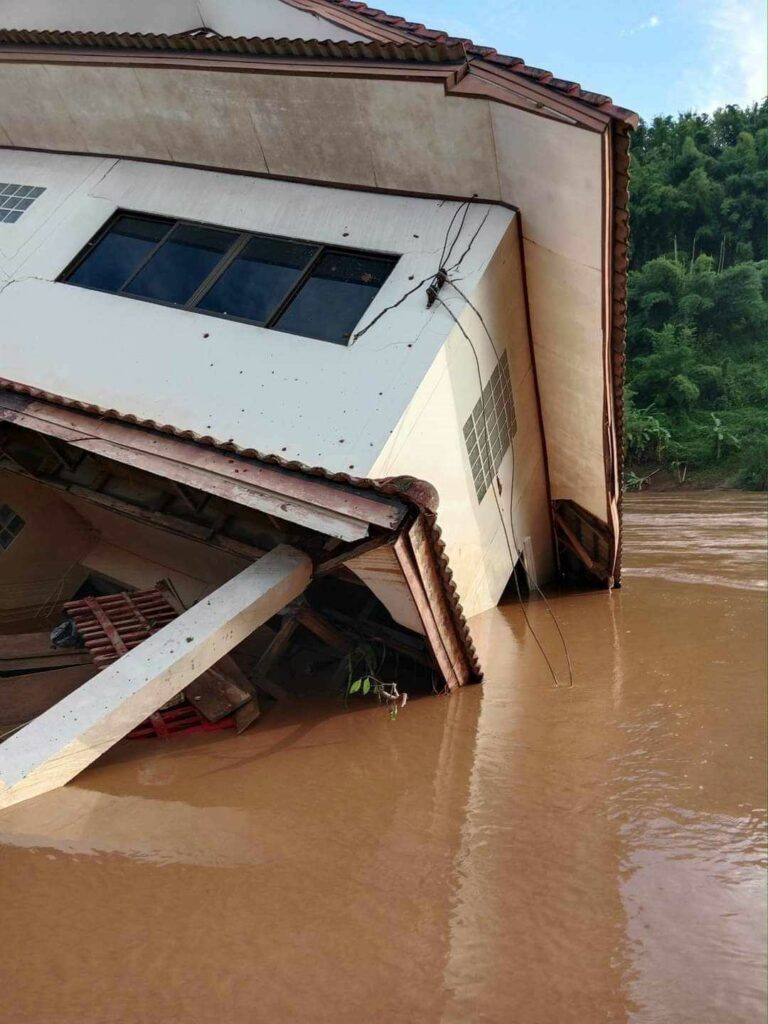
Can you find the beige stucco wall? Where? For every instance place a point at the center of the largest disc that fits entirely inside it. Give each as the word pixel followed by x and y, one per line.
pixel 42 566
pixel 428 441
pixel 139 555
pixel 552 172
pixel 304 399
pixel 66 537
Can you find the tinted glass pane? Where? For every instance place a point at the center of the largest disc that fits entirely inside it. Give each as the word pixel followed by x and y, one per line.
pixel 335 297
pixel 181 264
pixel 253 284
pixel 112 261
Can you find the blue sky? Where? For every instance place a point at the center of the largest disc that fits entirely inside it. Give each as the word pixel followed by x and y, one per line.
pixel 651 57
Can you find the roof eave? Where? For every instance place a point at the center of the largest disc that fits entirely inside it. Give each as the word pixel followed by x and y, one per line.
pixel 40 410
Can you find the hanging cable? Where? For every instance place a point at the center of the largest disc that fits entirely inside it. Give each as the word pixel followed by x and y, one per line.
pixel 471 242
pixel 511 545
pixel 436 282
pixel 447 255
pixel 538 589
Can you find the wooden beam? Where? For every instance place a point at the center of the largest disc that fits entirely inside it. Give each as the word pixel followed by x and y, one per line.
pixel 276 649
pixel 410 644
pixel 323 568
pixel 165 520
pixel 63 741
pixel 572 542
pixel 339 511
pixel 30 651
pixel 323 630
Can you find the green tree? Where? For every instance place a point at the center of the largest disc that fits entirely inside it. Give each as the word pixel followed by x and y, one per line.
pixel 697 339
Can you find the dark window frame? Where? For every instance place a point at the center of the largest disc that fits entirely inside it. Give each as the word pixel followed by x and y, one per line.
pixel 227 258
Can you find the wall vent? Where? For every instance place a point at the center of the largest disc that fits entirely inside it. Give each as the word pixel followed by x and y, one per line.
pixel 15 199
pixel 490 428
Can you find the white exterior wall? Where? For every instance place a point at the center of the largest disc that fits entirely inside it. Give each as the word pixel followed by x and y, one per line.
pixel 300 398
pixel 408 135
pixel 429 441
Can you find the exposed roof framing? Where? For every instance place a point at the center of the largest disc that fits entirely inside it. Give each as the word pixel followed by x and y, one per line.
pixel 404 506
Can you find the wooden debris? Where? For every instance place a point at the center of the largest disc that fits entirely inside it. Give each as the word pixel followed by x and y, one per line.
pixel 28 652
pixel 24 697
pixel 60 743
pixel 215 694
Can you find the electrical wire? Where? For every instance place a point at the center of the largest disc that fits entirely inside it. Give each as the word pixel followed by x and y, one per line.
pixel 448 232
pixel 538 589
pixel 443 260
pixel 511 545
pixel 471 243
pixel 441 276
pixel 447 255
pixel 394 305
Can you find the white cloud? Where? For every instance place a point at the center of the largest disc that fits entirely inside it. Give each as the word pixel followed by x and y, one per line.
pixel 653 22
pixel 732 68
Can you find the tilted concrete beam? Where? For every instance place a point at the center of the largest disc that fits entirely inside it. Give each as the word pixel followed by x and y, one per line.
pixel 68 737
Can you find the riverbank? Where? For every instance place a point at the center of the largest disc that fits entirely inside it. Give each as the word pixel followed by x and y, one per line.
pixel 653 477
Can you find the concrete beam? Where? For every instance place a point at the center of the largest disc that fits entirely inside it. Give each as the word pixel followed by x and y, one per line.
pixel 68 737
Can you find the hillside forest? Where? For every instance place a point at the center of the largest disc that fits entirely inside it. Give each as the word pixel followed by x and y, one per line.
pixel 697 342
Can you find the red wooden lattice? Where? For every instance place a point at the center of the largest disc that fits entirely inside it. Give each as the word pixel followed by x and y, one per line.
pixel 111 626
pixel 174 721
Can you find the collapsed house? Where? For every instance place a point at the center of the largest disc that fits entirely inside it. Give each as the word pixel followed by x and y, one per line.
pixel 312 337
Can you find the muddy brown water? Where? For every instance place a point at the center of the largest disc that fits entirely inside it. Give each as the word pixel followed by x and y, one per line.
pixel 515 853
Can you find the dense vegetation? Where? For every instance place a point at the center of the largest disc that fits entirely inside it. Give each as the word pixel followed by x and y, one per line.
pixel 697 344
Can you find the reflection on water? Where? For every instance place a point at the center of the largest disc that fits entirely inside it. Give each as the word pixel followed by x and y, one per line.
pixel 516 853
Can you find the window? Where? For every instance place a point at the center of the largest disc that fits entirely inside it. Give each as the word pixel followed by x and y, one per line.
pixel 15 199
pixel 11 525
pixel 490 428
pixel 319 291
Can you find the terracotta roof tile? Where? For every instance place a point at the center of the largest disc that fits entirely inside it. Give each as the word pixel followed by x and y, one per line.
pixel 421 51
pixel 486 53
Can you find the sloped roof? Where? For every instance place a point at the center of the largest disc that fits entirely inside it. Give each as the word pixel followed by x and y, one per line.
pixel 514 65
pixel 420 495
pixel 421 51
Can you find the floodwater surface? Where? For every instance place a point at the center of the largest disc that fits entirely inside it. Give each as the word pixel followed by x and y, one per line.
pixel 518 852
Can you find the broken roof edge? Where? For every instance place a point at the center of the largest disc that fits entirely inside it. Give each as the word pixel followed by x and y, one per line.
pixel 419 495
pixel 515 66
